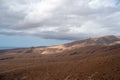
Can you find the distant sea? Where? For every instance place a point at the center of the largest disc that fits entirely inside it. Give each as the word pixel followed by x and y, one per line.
pixel 3 48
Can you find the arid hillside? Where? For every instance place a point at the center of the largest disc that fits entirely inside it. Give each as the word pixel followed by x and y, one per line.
pixel 91 59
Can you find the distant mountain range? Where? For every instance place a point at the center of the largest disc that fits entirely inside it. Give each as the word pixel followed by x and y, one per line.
pixel 5 48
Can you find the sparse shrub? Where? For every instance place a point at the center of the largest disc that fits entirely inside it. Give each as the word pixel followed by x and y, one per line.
pixel 74 53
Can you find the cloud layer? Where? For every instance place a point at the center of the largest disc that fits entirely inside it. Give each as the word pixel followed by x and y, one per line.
pixel 60 19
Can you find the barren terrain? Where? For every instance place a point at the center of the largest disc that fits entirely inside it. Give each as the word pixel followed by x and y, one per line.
pixel 71 61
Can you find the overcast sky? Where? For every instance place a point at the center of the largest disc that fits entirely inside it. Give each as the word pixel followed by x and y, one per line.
pixel 58 19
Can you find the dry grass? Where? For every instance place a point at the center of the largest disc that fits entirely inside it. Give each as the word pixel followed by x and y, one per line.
pixel 90 63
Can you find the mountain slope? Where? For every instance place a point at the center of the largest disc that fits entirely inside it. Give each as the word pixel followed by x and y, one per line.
pixel 85 63
pixel 90 59
pixel 101 41
pixel 105 40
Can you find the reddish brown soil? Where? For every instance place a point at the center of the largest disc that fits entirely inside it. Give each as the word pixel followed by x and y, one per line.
pixel 88 63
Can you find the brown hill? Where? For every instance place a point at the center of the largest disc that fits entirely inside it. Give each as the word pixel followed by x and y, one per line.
pixel 102 41
pixel 91 62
